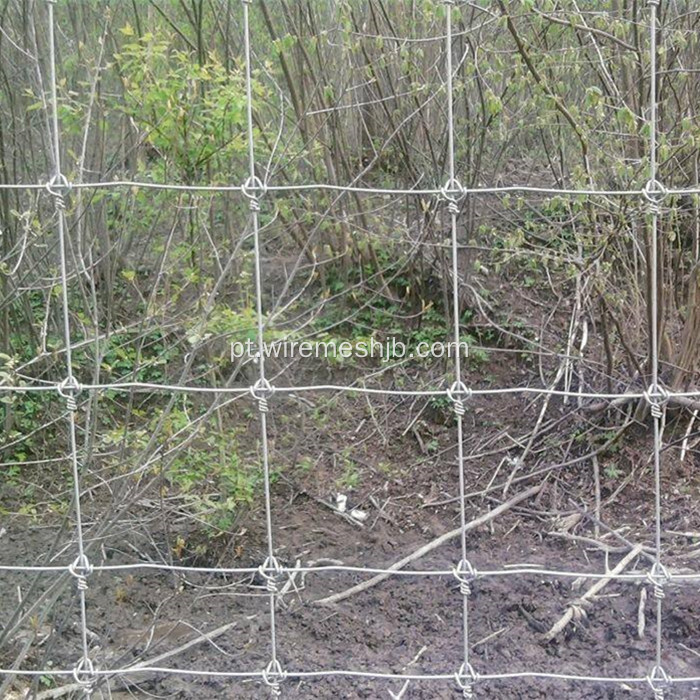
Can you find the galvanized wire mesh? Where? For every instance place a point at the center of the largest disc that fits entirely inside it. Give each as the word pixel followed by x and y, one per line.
pixel 466 678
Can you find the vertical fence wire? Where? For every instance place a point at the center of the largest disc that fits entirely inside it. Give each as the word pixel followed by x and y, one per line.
pixel 69 388
pixel 452 193
pixel 656 396
pixel 253 189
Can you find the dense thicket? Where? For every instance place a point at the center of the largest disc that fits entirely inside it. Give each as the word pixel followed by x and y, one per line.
pixel 547 93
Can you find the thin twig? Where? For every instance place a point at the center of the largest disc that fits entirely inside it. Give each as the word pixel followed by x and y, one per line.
pixel 434 544
pixel 576 609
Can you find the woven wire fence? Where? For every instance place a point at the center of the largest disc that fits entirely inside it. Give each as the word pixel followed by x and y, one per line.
pixel 465 679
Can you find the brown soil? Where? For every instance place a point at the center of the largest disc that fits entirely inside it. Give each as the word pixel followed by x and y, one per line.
pixel 405 624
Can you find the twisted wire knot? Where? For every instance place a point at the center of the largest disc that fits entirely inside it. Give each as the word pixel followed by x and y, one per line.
pixel 273 676
pixel 251 187
pixel 271 572
pixel 466 574
pixel 261 391
pixel 69 389
pixel 655 193
pixel 80 569
pixel 659 577
pixel 85 676
pixel 653 3
pixel 466 679
pixel 659 693
pixel 452 192
pixel 657 397
pixel 56 187
pixel 458 393
pixel 659 681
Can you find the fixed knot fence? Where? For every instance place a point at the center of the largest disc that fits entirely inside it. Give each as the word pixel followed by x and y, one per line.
pixel 259 190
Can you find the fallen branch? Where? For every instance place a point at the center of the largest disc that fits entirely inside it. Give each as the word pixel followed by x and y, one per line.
pixel 539 472
pixel 684 449
pixel 291 583
pixel 64 690
pixel 641 613
pixel 401 693
pixel 434 544
pixel 521 459
pixel 576 609
pixel 673 401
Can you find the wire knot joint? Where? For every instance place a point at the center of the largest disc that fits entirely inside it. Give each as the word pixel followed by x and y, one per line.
pixel 466 574
pixel 69 389
pixel 58 186
pixel 659 577
pixel 655 193
pixel 453 192
pixel 659 681
pixel 80 569
pixel 253 188
pixel 85 676
pixel 273 675
pixel 458 393
pixel 271 572
pixel 466 679
pixel 262 391
pixel 657 397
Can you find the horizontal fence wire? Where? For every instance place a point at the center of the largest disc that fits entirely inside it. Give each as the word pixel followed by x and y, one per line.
pixel 375 675
pixel 343 388
pixel 357 189
pixel 86 673
pixel 517 570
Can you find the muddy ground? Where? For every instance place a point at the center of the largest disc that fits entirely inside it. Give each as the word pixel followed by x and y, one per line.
pixel 397 463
